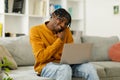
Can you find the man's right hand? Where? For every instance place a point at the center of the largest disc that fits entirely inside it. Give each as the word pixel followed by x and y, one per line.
pixel 61 35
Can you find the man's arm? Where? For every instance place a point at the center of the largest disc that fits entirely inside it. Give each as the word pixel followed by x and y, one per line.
pixel 66 37
pixel 41 52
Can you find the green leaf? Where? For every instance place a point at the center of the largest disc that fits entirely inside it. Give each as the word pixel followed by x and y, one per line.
pixel 7 78
pixel 5 64
pixel 7 69
pixel 1 64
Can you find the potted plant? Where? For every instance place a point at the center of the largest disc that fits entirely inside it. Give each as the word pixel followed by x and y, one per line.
pixel 4 69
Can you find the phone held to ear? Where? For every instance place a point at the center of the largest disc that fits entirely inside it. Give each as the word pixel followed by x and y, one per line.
pixel 60 30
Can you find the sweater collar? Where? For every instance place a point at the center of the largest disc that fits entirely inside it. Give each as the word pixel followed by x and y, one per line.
pixel 46 28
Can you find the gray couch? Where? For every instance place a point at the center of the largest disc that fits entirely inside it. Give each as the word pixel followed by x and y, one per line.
pixel 20 49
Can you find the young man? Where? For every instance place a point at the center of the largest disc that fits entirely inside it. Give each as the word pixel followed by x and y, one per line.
pixel 47 42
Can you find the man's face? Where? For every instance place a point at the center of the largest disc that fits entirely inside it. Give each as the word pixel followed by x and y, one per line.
pixel 59 24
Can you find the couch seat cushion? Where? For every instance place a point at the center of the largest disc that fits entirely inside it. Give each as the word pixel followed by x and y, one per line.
pixel 26 73
pixel 100 69
pixel 112 69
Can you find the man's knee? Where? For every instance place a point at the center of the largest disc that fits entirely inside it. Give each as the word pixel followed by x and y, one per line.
pixel 65 68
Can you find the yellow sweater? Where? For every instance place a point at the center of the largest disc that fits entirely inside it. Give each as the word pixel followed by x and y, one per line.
pixel 46 46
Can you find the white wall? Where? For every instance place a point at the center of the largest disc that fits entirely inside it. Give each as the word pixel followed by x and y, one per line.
pixel 100 19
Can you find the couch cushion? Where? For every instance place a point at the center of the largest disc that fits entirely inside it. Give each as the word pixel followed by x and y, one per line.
pixel 7 41
pixel 114 52
pixel 100 46
pixel 112 69
pixel 4 53
pixel 20 49
pixel 100 69
pixel 26 73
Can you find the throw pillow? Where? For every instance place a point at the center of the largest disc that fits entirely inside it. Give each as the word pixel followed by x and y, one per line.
pixel 114 52
pixel 4 53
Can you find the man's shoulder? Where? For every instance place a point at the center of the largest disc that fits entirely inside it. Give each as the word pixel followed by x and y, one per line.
pixel 68 30
pixel 40 26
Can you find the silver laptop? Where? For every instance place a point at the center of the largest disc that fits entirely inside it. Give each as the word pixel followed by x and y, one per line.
pixel 74 53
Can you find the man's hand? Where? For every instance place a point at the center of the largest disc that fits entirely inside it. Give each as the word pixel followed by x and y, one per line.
pixel 61 35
